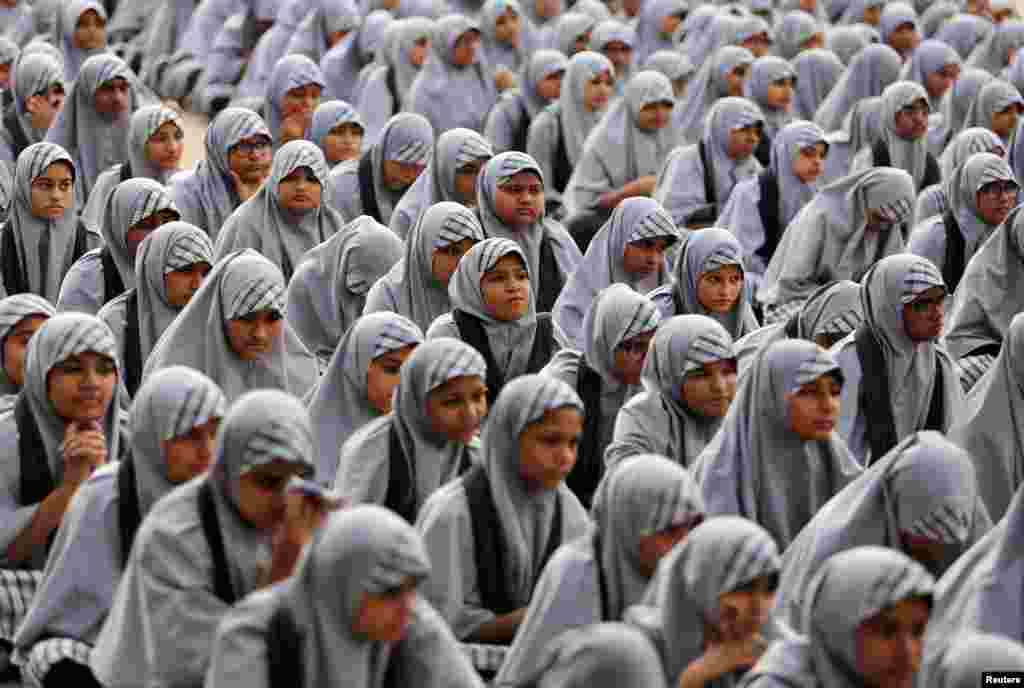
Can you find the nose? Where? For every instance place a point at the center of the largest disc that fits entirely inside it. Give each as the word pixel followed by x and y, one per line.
pixel 260 329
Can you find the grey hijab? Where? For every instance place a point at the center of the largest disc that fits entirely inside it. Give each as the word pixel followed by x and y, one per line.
pixel 97 141
pixel 719 556
pixel 433 460
pixel 338 405
pixel 794 29
pixel 648 26
pixel 993 53
pixel 325 17
pixel 874 68
pixel 133 201
pixel 635 219
pixel 846 42
pixel 241 283
pixel 499 54
pixel 280 235
pixel 752 465
pixel 962 190
pixel 33 73
pixel 144 123
pixel 924 487
pixel 174 246
pixel 817 72
pixel 607 655
pixel 672 63
pixel 787 145
pixel 968 142
pixel 995 96
pixel 905 154
pixel 935 16
pixel 540 65
pixel 327 293
pixel 969 654
pixel 705 89
pixel 293 71
pixel 929 57
pixel 862 127
pixel 68 16
pixel 763 73
pixel 13 310
pixel 330 115
pixel 569 28
pixel 854 12
pixel 955 105
pixel 342 63
pixel 577 122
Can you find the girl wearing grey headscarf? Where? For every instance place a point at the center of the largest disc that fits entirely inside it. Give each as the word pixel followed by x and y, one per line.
pixel 241 284
pixel 508 123
pixel 933 200
pixel 291 72
pixel 767 72
pixel 145 123
pixel 657 21
pixel 328 291
pixel 936 15
pixel 682 611
pixel 551 253
pixel 931 58
pixel 847 227
pixel 399 460
pixel 572 32
pixel 34 74
pixel 308 628
pixel 456 152
pixel 676 66
pixel 138 317
pixel 615 40
pixel 44 249
pixel 281 234
pixel 993 54
pixel 659 420
pixel 361 187
pixel 795 31
pixel 340 403
pixel 869 73
pixel 412 287
pixel 529 520
pixel 207 194
pixel 862 12
pixel 324 19
pixel 969 654
pixel 759 231
pixel 95 140
pixel 846 42
pixel 448 94
pixel 620 158
pixel 895 17
pixel 705 252
pixel 862 127
pixel 103 274
pixel 757 466
pixel 503 54
pixel 639 223
pixel 850 589
pixel 996 98
pixel 93 543
pixel 955 105
pixel 605 655
pixel 894 385
pixel 965 215
pixel 197 551
pixel 923 492
pixel 817 72
pixel 598 577
pixel 716 79
pixel 694 31
pixel 331 116
pixel 13 311
pixel 68 17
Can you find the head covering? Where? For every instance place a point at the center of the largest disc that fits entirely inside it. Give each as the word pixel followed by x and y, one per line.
pixel 132 201
pixel 501 55
pixel 97 141
pixel 144 123
pixel 341 64
pixel 905 154
pixel 955 106
pixel 408 138
pixel 719 556
pixel 13 310
pixel 327 293
pixel 994 97
pixel 846 42
pixel 569 28
pixel 855 10
pixel 330 115
pixel 694 31
pixel 67 24
pixel 33 73
pixel 671 63
pixel 706 88
pixel 962 195
pixel 935 17
pixel 293 71
pixel 993 53
pixel 874 68
pixel 929 57
pixel 764 72
pixel 611 31
pixel 325 18
pixel 577 121
pixel 407 32
pixel 969 654
pixel 817 71
pixel 173 246
pixel 968 142
pixel 635 219
pixel 649 37
pixel 796 28
pixel 787 145
pixel 605 655
pixel 895 15
pixel 862 127
pixel 241 283
pixel 539 66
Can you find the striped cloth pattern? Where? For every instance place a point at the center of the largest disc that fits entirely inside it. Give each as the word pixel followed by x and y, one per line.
pixel 972 368
pixel 294 155
pixel 548 395
pixel 187 249
pixel 949 525
pixel 775 313
pixel 514 162
pixel 645 318
pixel 811 369
pixel 17 590
pixel 725 254
pixel 200 405
pixel 16 308
pixel 459 225
pixel 897 211
pixel 263 292
pixel 494 250
pixel 397 333
pixel 922 276
pixel 150 203
pixel 473 148
pixel 656 224
pixel 709 347
pixel 277 441
pixel 843 324
pixel 88 334
pixel 36 664
pixel 456 360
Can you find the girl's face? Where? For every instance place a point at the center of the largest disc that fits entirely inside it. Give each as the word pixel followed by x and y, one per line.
pixel 679 86
pixel 780 94
pixel 619 54
pixel 709 390
pixel 186 456
pixel 597 92
pixel 446 259
pixel 743 611
pixel 53 192
pixel 181 285
pixel 165 146
pixel 743 142
pixel 630 355
pixel 941 80
pixel 669 25
pixel 301 100
pixel 506 289
pixel 1004 122
pixel 506 28
pixel 760 44
pixel 547 448
pixel 16 346
pixel 419 51
pixel 645 257
pixel 143 228
pixel 385 617
pixel 653 548
pixel 383 376
pixel 873 15
pixel 924 317
pixel 654 116
pixel 465 182
pixel 464 52
pixel 719 290
pixel 81 387
pixel 813 409
pixel 905 38
pixel 995 200
pixel 343 143
pixel 5 75
pixel 519 202
pixel 457 408
pixel 734 80
pixel 399 176
pixel 889 644
pixel 91 32
pixel 300 191
pixel 550 87
pixel 253 336
pixel 261 493
pixel 810 162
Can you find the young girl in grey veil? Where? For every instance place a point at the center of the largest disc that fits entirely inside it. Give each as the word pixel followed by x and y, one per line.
pixel 80 30
pixel 998 107
pixel 36 95
pixel 375 630
pixel 173 424
pixel 338 130
pixel 508 123
pixel 643 509
pixel 771 85
pixel 874 68
pixel 955 105
pixel 293 93
pixel 817 72
pixel 21 316
pixel 721 76
pixel 933 200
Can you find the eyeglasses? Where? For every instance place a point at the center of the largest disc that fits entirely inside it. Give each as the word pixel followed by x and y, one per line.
pixel 251 147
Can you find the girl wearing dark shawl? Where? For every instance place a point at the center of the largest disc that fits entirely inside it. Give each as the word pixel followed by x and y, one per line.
pixel 697 179
pixel 417 286
pixel 173 425
pixel 328 291
pixel 855 595
pixel 338 130
pixel 459 154
pixel 233 330
pixel 359 383
pixel 135 208
pixel 171 265
pixel 708 601
pixel 515 495
pixel 238 149
pixel 350 617
pixel 209 543
pixel 455 88
pixel 782 419
pixel 955 105
pixel 21 316
pixel 720 77
pixel 508 123
pixel 493 311
pixel 933 200
pixel 817 72
pixel 81 32
pixel 427 440
pixel 844 230
pixel 629 249
pixel 874 68
pixel 644 508
pixel 286 217
pixel 36 97
pixel 862 127
pixel 922 498
pixel 897 377
pixel 980 195
pixel 42 236
pixel 375 183
pixel 689 380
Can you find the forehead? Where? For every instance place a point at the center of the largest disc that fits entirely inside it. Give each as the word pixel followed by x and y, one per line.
pixel 166 128
pixel 521 178
pixel 57 171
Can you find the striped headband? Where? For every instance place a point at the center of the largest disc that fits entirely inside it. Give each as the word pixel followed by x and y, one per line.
pixel 277 441
pixel 201 404
pixel 412 152
pixel 457 360
pixel 512 163
pixel 813 368
pixel 187 249
pixel 550 394
pixel 922 276
pixel 473 148
pixel 397 333
pixel 896 211
pixel 86 335
pixel 657 223
pixel 263 292
pixel 16 308
pixel 709 347
pixel 724 254
pixel 150 203
pixel 645 318
pixel 948 525
pixel 460 224
pixel 842 324
pixel 297 154
pixel 493 250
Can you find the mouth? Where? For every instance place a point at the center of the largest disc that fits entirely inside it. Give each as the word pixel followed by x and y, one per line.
pixel 825 425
